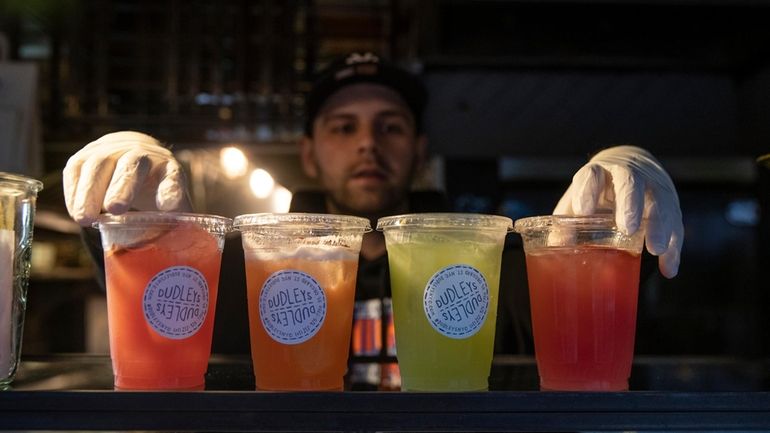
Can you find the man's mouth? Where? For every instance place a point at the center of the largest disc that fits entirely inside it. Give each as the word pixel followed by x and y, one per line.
pixel 369 174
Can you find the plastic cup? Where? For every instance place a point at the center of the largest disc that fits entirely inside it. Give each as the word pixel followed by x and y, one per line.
pixel 445 274
pixel 301 281
pixel 162 272
pixel 583 276
pixel 17 211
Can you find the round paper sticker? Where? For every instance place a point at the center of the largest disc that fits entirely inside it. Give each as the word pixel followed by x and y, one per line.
pixel 176 301
pixel 292 306
pixel 456 301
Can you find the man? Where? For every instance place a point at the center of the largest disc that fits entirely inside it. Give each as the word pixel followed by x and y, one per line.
pixel 364 144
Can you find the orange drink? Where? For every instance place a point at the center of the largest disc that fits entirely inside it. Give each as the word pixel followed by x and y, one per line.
pixel 301 277
pixel 162 273
pixel 583 283
pixel 282 295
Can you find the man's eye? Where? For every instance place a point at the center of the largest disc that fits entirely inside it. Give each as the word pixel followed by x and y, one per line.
pixel 393 128
pixel 343 128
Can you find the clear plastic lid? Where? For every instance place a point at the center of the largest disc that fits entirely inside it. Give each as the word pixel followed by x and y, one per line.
pixel 136 219
pixel 454 221
pixel 19 182
pixel 557 231
pixel 295 221
pixel 547 222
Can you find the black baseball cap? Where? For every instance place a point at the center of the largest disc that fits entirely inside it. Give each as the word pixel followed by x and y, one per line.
pixel 366 68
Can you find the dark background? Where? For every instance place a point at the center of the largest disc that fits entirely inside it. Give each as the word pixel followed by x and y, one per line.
pixel 522 93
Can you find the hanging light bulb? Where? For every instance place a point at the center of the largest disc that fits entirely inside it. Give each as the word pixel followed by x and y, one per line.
pixel 234 162
pixel 281 199
pixel 261 183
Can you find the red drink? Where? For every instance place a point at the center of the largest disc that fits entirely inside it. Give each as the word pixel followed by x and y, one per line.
pixel 161 296
pixel 583 301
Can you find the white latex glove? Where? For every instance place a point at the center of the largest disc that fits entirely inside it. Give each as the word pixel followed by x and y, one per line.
pixel 630 181
pixel 119 171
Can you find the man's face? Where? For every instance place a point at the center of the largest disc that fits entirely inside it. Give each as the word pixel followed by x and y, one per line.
pixel 364 150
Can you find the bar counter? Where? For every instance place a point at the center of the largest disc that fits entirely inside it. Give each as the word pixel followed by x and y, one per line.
pixel 74 392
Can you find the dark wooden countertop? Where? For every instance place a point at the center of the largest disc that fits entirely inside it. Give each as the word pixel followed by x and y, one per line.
pixel 74 392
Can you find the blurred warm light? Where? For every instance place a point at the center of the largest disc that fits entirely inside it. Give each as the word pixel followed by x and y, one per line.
pixel 234 162
pixel 225 113
pixel 281 199
pixel 261 183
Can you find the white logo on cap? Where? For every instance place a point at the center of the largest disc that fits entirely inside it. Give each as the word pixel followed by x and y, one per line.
pixel 361 58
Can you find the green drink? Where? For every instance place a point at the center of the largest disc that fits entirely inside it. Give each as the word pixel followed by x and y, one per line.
pixel 445 274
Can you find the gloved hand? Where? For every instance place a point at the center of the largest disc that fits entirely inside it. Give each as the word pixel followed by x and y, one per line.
pixel 119 171
pixel 630 181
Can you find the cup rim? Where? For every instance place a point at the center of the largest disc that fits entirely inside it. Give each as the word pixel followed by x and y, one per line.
pixel 212 223
pixel 442 220
pixel 300 219
pixel 18 180
pixel 604 221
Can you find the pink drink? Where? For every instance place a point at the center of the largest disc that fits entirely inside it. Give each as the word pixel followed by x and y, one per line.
pixel 583 301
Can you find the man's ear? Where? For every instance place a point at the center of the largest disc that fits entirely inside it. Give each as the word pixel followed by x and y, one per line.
pixel 307 157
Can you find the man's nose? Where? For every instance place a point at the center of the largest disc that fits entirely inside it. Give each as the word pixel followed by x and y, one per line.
pixel 367 139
